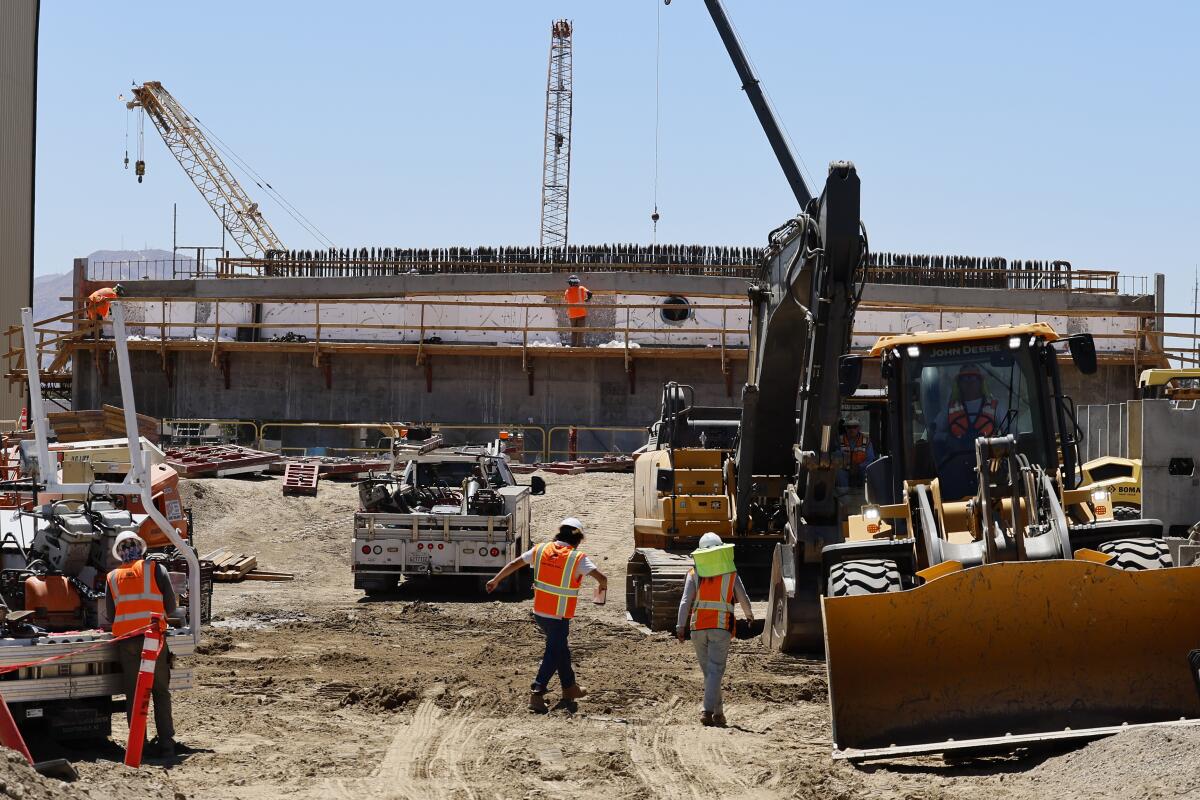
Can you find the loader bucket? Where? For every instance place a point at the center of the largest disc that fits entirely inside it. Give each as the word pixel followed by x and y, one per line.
pixel 1007 654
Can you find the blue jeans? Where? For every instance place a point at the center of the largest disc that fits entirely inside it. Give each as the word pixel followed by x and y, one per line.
pixel 557 657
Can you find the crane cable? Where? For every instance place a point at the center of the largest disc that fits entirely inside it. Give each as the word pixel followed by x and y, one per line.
pixel 654 216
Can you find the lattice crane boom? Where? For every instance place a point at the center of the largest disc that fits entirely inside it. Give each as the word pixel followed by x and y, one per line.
pixel 556 165
pixel 239 215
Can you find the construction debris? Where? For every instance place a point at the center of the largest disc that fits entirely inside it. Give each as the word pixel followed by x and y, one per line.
pixel 327 466
pixel 579 466
pixel 106 423
pixel 219 461
pixel 300 477
pixel 235 567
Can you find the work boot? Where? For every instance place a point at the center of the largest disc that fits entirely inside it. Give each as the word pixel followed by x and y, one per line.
pixel 706 719
pixel 718 720
pixel 537 703
pixel 166 748
pixel 574 692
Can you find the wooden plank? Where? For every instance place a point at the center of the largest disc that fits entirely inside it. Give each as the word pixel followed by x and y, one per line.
pixel 271 576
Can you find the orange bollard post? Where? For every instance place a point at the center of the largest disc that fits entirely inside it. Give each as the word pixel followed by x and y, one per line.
pixel 151 646
pixel 10 735
pixel 572 443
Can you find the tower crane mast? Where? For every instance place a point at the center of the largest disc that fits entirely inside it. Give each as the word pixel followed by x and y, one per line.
pixel 556 164
pixel 239 215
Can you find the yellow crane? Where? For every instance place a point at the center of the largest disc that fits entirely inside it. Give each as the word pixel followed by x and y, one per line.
pixel 239 215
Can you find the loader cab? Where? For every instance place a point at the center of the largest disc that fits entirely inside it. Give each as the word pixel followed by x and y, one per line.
pixel 950 388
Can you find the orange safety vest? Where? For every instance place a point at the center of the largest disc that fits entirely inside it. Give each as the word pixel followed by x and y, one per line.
pixel 135 597
pixel 97 302
pixel 555 582
pixel 983 424
pixel 857 449
pixel 576 296
pixel 713 606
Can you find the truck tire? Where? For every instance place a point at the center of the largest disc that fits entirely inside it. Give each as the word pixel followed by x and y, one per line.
pixel 865 576
pixel 1125 513
pixel 1138 554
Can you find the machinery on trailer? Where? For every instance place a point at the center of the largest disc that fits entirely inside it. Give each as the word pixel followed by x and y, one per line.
pixel 981 590
pixel 63 509
pixel 446 511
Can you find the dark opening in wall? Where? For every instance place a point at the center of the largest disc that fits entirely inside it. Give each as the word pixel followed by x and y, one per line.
pixel 675 309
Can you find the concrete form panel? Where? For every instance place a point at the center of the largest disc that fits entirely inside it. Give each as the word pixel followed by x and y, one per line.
pixel 18 114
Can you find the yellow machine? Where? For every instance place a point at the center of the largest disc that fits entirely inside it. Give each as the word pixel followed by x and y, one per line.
pixel 1122 477
pixel 983 599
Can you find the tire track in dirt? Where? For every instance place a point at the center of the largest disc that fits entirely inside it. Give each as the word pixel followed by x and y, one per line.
pixel 424 759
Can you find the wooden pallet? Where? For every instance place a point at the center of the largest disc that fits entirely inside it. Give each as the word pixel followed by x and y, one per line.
pixel 235 567
pixel 300 477
pixel 218 460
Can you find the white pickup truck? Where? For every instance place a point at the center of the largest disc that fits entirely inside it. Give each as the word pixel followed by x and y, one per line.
pixel 449 511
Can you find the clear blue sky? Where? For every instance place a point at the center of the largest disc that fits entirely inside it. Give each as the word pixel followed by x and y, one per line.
pixel 1020 129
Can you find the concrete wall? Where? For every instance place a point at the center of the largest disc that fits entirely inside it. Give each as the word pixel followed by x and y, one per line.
pixel 281 387
pixel 18 114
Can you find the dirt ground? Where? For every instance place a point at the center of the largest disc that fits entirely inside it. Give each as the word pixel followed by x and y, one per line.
pixel 308 690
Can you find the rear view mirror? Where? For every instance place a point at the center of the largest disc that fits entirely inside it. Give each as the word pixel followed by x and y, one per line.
pixel 665 480
pixel 849 374
pixel 537 485
pixel 1083 352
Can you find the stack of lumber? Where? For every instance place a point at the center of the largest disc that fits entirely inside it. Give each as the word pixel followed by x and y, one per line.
pixel 234 567
pixel 107 423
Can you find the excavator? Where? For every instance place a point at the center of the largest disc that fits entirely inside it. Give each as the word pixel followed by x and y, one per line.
pixel 980 599
pixel 802 312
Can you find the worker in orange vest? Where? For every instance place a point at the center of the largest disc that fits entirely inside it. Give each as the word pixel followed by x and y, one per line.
pixel 575 297
pixel 99 300
pixel 707 610
pixel 558 571
pixel 138 590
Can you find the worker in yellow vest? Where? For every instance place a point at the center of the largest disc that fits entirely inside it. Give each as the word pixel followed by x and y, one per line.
pixel 707 610
pixel 558 571
pixel 576 296
pixel 138 590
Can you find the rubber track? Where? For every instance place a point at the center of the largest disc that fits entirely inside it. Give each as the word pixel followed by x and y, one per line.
pixel 667 573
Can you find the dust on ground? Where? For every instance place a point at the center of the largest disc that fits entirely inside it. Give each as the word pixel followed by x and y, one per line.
pixel 308 690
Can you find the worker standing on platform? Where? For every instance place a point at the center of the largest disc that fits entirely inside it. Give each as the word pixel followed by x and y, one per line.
pixel 99 300
pixel 576 296
pixel 707 609
pixel 138 590
pixel 558 570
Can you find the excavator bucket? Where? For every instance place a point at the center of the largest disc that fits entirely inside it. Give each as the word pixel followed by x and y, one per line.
pixel 1007 654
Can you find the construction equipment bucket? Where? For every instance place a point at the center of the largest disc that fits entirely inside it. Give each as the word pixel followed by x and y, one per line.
pixel 1010 653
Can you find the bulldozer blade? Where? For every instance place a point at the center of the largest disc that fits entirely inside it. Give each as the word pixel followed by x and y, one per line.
pixel 1007 654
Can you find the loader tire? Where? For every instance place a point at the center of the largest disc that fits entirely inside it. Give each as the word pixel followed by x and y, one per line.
pixel 1126 513
pixel 1138 554
pixel 866 576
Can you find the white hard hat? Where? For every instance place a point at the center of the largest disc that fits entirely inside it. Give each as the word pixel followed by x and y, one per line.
pixel 571 522
pixel 123 537
pixel 709 540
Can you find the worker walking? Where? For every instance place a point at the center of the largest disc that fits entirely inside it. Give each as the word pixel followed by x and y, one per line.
pixel 707 609
pixel 98 302
pixel 558 571
pixel 576 296
pixel 138 590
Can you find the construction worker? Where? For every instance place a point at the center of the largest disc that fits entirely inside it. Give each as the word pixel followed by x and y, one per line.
pixel 857 451
pixel 973 412
pixel 99 300
pixel 137 590
pixel 558 571
pixel 707 610
pixel 575 297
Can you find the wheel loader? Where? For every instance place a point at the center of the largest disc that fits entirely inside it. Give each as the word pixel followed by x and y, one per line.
pixel 982 599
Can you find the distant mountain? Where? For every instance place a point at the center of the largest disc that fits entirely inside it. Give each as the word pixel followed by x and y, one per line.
pixel 104 265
